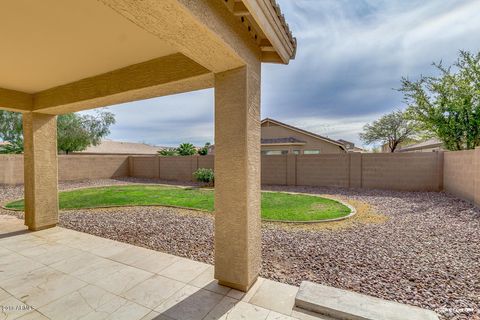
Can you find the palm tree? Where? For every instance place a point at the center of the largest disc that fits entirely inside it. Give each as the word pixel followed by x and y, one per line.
pixel 186 149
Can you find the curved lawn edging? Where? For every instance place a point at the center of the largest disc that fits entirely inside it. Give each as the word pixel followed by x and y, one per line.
pixel 353 211
pixel 297 206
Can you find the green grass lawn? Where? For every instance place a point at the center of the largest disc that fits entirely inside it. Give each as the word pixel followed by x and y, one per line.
pixel 275 205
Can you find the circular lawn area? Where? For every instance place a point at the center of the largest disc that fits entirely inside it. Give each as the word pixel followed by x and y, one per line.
pixel 275 205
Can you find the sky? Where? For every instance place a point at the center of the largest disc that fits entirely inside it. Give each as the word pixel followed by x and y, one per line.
pixel 350 59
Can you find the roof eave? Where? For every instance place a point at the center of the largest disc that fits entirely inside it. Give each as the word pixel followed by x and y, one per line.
pixel 269 18
pixel 283 144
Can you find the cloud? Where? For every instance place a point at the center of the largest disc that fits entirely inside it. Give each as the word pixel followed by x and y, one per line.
pixel 351 56
pixel 166 121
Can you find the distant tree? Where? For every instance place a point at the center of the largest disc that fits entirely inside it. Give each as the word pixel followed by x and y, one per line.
pixel 11 131
pixel 186 149
pixel 74 132
pixel 376 150
pixel 448 105
pixel 10 126
pixel 203 151
pixel 15 147
pixel 391 129
pixel 77 132
pixel 168 152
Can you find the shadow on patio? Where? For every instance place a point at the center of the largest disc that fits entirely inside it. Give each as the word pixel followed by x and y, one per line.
pixel 63 274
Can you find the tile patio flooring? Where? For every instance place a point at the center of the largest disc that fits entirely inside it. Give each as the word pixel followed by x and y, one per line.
pixel 64 274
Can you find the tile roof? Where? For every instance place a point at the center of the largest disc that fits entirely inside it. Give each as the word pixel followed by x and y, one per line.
pixel 119 147
pixel 430 143
pixel 285 25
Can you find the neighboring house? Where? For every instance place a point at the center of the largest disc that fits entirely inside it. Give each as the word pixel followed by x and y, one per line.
pixel 282 138
pixel 119 147
pixel 350 146
pixel 429 145
pixel 386 149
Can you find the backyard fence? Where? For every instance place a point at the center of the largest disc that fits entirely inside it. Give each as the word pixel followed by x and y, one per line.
pixel 456 172
pixel 462 174
pixel 70 168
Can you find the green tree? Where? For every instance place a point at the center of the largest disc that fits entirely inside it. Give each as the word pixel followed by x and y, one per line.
pixel 168 152
pixel 11 132
pixel 186 149
pixel 15 147
pixel 77 132
pixel 448 105
pixel 74 132
pixel 392 129
pixel 203 151
pixel 10 126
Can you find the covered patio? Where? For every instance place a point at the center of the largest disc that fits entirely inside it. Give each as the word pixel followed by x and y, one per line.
pixel 66 56
pixel 63 274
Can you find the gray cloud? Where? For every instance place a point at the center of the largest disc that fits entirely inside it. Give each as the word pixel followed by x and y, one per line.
pixel 351 55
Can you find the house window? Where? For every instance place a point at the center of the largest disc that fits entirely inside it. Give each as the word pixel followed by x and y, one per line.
pixel 296 151
pixel 274 152
pixel 311 152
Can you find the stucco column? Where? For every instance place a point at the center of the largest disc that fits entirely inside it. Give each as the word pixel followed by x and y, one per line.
pixel 41 170
pixel 237 177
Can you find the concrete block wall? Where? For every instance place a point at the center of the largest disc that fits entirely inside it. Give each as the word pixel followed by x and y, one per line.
pixel 476 178
pixel 402 171
pixel 70 168
pixel 409 172
pixel 274 170
pixel 168 168
pixel 11 169
pixel 461 174
pixel 455 172
pixel 324 170
pixel 82 167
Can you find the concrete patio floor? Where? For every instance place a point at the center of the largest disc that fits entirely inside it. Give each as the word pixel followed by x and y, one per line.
pixel 64 274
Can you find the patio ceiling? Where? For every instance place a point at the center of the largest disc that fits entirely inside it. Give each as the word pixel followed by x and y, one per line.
pixel 66 41
pixel 60 56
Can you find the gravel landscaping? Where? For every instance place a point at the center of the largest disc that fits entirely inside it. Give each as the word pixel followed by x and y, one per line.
pixel 418 248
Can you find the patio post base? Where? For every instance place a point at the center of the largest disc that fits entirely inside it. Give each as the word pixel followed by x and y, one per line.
pixel 238 286
pixel 38 228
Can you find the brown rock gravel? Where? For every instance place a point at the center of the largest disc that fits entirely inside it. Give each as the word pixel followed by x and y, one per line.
pixel 418 248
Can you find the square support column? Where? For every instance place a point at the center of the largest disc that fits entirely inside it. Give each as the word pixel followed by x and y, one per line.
pixel 237 177
pixel 41 170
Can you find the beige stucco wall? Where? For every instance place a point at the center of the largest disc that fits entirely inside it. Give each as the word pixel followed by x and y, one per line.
pixel 413 171
pixel 407 171
pixel 329 170
pixel 168 168
pixel 272 131
pixel 274 170
pixel 11 169
pixel 410 172
pixel 92 167
pixel 460 172
pixel 71 167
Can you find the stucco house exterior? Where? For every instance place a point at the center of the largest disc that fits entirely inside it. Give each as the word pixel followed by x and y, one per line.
pixel 350 146
pixel 67 56
pixel 279 138
pixel 430 145
pixel 282 138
